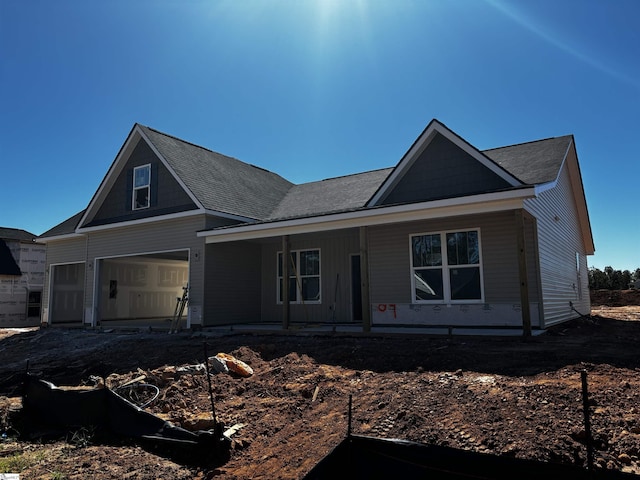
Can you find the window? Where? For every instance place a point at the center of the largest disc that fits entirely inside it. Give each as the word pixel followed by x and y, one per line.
pixel 141 187
pixel 445 267
pixel 304 276
pixel 34 303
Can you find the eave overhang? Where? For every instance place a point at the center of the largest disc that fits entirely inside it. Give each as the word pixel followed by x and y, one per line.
pixel 475 204
pixel 56 238
pixel 160 218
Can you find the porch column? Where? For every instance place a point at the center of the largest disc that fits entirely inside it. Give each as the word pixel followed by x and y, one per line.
pixel 364 281
pixel 285 282
pixel 522 272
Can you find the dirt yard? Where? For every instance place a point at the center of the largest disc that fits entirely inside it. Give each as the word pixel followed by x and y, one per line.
pixel 505 396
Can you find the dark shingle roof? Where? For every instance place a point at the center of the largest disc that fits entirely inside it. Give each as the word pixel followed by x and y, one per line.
pixel 65 228
pixel 219 182
pixel 228 185
pixel 330 196
pixel 16 234
pixel 533 163
pixel 8 265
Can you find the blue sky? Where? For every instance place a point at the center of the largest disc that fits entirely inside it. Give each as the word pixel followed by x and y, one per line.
pixel 313 89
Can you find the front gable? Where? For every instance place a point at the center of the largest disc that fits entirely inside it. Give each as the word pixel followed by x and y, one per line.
pixel 441 165
pixel 114 200
pixel 166 196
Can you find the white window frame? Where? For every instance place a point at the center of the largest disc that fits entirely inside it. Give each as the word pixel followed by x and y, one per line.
pixel 279 278
pixel 141 187
pixel 446 268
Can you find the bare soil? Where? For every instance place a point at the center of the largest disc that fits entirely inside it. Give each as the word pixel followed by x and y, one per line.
pixel 498 395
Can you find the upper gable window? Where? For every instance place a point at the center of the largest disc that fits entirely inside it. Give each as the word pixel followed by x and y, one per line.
pixel 141 187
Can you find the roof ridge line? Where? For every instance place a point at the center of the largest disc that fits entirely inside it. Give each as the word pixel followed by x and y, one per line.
pixel 350 175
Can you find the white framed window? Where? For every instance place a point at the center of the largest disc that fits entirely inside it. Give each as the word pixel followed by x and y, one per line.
pixel 141 187
pixel 304 276
pixel 446 267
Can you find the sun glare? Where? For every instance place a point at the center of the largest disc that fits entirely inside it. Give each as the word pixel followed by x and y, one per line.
pixel 554 39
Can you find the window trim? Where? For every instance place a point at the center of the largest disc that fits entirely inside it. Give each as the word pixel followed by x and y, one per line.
pixel 446 268
pixel 280 279
pixel 135 189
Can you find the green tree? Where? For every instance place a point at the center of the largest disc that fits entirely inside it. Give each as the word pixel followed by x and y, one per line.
pixel 598 280
pixel 611 279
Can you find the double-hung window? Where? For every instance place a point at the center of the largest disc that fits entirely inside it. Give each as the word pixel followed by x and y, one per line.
pixel 304 276
pixel 141 187
pixel 446 267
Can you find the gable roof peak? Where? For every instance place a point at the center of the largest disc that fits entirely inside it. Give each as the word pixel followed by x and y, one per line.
pixel 144 127
pixel 195 145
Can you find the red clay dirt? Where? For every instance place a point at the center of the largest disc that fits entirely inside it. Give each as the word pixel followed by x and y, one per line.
pixel 498 395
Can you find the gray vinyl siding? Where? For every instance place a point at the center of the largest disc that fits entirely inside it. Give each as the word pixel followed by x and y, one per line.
pixel 166 194
pixel 443 170
pixel 389 257
pixel 232 283
pixel 559 240
pixel 167 235
pixel 336 249
pixel 72 250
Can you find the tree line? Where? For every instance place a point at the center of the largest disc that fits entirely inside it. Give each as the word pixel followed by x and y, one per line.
pixel 611 279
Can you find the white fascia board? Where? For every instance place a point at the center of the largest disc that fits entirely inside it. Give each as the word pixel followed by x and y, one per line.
pixel 170 169
pixel 397 172
pixel 481 157
pixel 55 238
pixel 117 167
pixel 543 187
pixel 230 216
pixel 141 221
pixel 112 174
pixel 425 138
pixel 477 204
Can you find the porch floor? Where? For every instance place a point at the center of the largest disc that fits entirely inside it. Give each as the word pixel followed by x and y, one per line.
pixel 162 324
pixel 355 328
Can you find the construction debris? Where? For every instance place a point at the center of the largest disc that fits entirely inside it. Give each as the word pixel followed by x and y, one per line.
pixel 55 409
pixel 235 365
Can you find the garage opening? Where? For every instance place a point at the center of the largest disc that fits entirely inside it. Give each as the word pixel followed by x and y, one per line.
pixel 67 293
pixel 141 290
